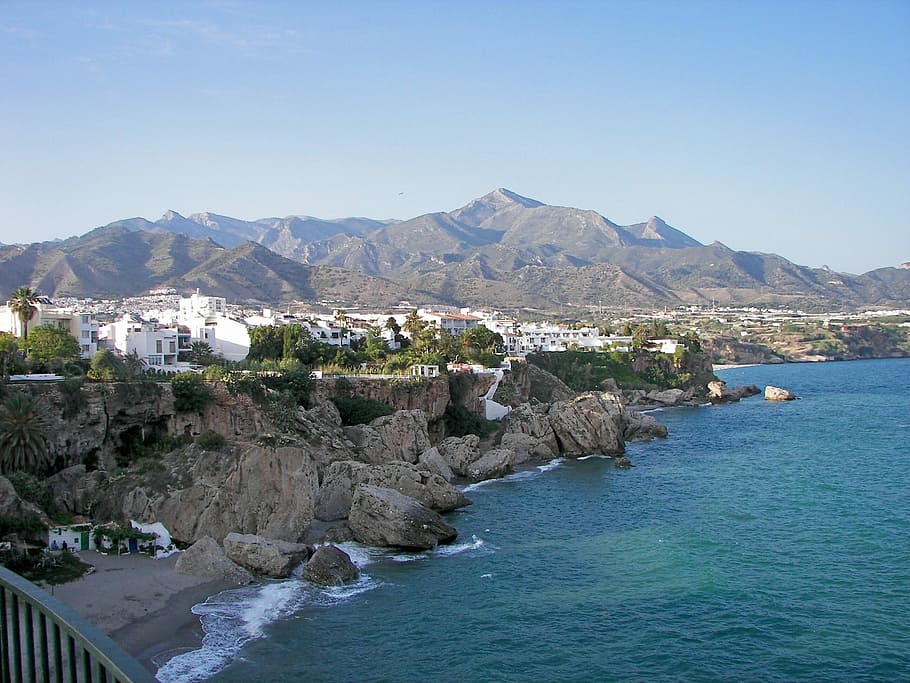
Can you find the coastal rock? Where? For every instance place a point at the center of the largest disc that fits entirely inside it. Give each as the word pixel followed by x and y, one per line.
pixel 533 421
pixel 430 394
pixel 459 452
pixel 76 490
pixel 526 447
pixel 385 517
pixel 622 462
pixel 206 558
pixel 667 397
pixel 264 556
pixel 330 566
pixel 432 461
pixel 11 505
pixel 254 489
pixel 400 436
pixel 342 478
pixel 778 394
pixel 641 427
pixel 590 423
pixel 719 392
pixel 493 464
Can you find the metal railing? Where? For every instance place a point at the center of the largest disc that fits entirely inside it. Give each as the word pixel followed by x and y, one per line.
pixel 44 641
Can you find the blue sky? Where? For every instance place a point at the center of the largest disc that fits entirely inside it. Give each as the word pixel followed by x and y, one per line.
pixel 769 126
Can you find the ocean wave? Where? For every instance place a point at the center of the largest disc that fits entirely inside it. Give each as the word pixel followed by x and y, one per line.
pixel 516 476
pixel 597 456
pixel 235 617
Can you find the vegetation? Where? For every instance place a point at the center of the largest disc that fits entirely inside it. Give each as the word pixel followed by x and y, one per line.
pixel 25 427
pixel 460 421
pixel 46 567
pixel 48 343
pixel 357 410
pixel 32 489
pixel 587 371
pixel 190 392
pixel 11 361
pixel 210 440
pixel 22 303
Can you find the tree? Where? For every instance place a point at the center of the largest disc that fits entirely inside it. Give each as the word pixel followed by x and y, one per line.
pixel 201 353
pixel 266 342
pixel 49 342
pixel 9 354
pixel 22 304
pixel 190 392
pixel 25 426
pixel 413 325
pixel 106 365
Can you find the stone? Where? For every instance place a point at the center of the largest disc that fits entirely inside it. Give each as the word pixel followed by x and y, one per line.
pixel 668 397
pixel 207 559
pixel 76 490
pixel 432 461
pixel 623 462
pixel 459 452
pixel 256 490
pixel 642 427
pixel 384 517
pixel 400 436
pixel 719 392
pixel 588 424
pixel 342 478
pixel 264 556
pixel 495 463
pixel 534 422
pixel 526 447
pixel 778 394
pixel 330 566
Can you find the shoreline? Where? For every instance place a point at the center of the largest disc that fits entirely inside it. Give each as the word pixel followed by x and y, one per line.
pixel 143 604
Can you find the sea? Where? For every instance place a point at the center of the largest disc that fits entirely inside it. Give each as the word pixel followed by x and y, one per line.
pixel 759 542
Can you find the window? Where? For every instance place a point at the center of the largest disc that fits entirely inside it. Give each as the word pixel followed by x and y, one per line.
pixel 157 346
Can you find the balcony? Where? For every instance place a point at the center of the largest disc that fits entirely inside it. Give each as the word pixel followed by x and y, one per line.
pixel 43 640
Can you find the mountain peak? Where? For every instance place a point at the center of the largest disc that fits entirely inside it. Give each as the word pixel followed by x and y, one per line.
pixel 171 215
pixel 503 197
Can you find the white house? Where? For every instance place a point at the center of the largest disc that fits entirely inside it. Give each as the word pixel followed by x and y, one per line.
pixel 157 346
pixel 82 326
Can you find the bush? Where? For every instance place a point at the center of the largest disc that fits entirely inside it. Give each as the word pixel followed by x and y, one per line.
pixel 32 489
pixel 210 440
pixel 190 392
pixel 460 421
pixel 356 410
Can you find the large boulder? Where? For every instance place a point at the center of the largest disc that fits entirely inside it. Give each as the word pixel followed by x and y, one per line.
pixel 12 506
pixel 251 489
pixel 588 424
pixel 207 559
pixel 330 566
pixel 432 461
pixel 641 427
pixel 76 490
pixel 384 517
pixel 719 392
pixel 667 397
pixel 493 464
pixel 526 447
pixel 459 452
pixel 533 421
pixel 778 394
pixel 400 436
pixel 265 556
pixel 342 478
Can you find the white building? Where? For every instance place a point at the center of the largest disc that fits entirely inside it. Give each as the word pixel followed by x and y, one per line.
pixel 452 322
pixel 82 326
pixel 157 346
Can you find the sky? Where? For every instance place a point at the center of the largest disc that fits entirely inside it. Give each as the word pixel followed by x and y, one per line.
pixel 773 126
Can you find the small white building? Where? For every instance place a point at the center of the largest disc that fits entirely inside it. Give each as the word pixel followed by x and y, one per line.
pixel 82 326
pixel 157 346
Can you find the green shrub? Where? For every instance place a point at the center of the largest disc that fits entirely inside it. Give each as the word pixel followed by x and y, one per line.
pixel 32 489
pixel 210 440
pixel 460 421
pixel 190 392
pixel 357 410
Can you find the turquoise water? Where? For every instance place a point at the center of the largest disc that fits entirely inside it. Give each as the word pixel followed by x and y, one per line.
pixel 760 541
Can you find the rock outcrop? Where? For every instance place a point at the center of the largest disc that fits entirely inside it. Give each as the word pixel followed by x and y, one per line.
pixel 76 490
pixel 251 489
pixel 778 394
pixel 495 463
pixel 385 517
pixel 719 392
pixel 265 556
pixel 330 566
pixel 342 478
pixel 12 506
pixel 590 423
pixel 206 558
pixel 399 436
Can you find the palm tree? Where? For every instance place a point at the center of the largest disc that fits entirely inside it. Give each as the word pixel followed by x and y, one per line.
pixel 413 324
pixel 22 303
pixel 25 425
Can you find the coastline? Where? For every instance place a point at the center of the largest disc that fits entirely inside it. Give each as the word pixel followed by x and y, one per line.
pixel 143 604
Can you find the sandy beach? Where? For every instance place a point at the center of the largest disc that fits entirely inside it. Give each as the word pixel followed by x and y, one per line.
pixel 142 603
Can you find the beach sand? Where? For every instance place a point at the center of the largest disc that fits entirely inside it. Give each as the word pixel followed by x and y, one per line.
pixel 143 604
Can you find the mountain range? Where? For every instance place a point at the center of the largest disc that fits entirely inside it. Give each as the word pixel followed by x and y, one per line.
pixel 502 250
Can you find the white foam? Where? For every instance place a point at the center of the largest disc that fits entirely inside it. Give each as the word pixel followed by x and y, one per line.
pixel 475 543
pixel 516 476
pixel 597 456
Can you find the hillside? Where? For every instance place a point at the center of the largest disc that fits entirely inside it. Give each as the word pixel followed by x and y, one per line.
pixel 501 249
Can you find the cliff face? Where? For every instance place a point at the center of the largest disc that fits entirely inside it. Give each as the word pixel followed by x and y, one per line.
pixel 98 424
pixel 430 395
